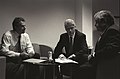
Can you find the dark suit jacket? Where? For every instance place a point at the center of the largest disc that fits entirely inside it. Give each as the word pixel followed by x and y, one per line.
pixel 108 46
pixel 80 47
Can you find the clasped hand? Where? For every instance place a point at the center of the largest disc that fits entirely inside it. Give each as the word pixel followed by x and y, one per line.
pixel 24 55
pixel 62 57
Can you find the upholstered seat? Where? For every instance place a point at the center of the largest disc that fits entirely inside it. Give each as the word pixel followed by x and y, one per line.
pixel 2 67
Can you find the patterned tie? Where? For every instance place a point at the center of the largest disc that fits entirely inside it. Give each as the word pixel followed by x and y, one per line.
pixel 70 46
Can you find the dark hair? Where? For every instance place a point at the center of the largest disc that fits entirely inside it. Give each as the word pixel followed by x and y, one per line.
pixel 106 16
pixel 16 21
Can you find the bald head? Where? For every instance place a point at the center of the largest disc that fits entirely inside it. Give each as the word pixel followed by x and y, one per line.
pixel 69 22
pixel 70 26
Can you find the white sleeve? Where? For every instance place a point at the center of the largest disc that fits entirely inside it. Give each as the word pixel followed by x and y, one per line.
pixel 29 46
pixel 5 44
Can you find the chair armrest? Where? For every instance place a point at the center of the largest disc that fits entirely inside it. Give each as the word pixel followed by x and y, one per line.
pixel 2 67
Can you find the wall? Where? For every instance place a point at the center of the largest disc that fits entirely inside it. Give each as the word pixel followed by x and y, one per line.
pixel 44 18
pixel 87 21
pixel 83 17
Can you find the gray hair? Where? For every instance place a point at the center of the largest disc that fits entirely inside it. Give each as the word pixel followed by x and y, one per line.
pixel 69 22
pixel 106 16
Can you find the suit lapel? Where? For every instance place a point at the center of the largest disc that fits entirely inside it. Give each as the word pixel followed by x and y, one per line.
pixel 101 40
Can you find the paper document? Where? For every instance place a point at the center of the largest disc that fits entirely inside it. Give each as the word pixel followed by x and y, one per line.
pixel 34 61
pixel 58 60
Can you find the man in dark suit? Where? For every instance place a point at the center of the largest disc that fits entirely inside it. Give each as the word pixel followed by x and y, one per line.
pixel 108 45
pixel 74 44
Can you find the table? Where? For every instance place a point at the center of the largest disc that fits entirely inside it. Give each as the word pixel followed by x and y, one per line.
pixel 46 70
pixel 64 64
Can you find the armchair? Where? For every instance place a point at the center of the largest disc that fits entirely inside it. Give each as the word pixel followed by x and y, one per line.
pixel 42 71
pixel 42 50
pixel 2 67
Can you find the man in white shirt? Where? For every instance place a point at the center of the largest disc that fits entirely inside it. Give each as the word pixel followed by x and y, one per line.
pixel 16 46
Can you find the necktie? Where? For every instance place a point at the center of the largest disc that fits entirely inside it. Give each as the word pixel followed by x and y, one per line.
pixel 19 45
pixel 70 46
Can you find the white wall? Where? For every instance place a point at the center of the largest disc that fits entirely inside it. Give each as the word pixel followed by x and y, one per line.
pixel 44 18
pixel 87 20
pixel 83 16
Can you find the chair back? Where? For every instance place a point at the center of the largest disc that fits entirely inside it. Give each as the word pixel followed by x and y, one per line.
pixel 42 50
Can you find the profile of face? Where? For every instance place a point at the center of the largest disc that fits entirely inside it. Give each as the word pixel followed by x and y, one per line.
pixel 20 28
pixel 70 29
pixel 103 20
pixel 100 25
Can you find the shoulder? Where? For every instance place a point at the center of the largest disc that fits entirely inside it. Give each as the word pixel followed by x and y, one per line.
pixel 8 33
pixel 25 34
pixel 64 35
pixel 80 33
pixel 112 31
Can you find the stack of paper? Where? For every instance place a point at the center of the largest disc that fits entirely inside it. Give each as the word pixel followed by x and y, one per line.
pixel 34 61
pixel 65 61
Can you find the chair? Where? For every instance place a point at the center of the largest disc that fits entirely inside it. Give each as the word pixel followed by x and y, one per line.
pixel 42 50
pixel 2 67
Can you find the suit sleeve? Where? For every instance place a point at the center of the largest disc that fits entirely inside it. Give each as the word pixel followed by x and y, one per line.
pixel 82 53
pixel 112 45
pixel 29 46
pixel 83 47
pixel 59 47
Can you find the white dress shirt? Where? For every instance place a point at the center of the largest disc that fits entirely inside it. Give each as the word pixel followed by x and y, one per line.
pixel 9 41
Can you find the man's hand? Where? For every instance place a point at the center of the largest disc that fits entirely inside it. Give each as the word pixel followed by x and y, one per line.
pixel 71 56
pixel 62 57
pixel 30 55
pixel 24 55
pixel 91 55
pixel 13 54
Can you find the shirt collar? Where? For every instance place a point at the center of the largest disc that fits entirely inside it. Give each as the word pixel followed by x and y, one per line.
pixel 72 35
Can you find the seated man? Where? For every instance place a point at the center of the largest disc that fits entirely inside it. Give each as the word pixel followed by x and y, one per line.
pixel 75 46
pixel 16 46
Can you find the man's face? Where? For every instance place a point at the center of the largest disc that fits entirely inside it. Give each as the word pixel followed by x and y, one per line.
pixel 100 25
pixel 70 29
pixel 20 28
